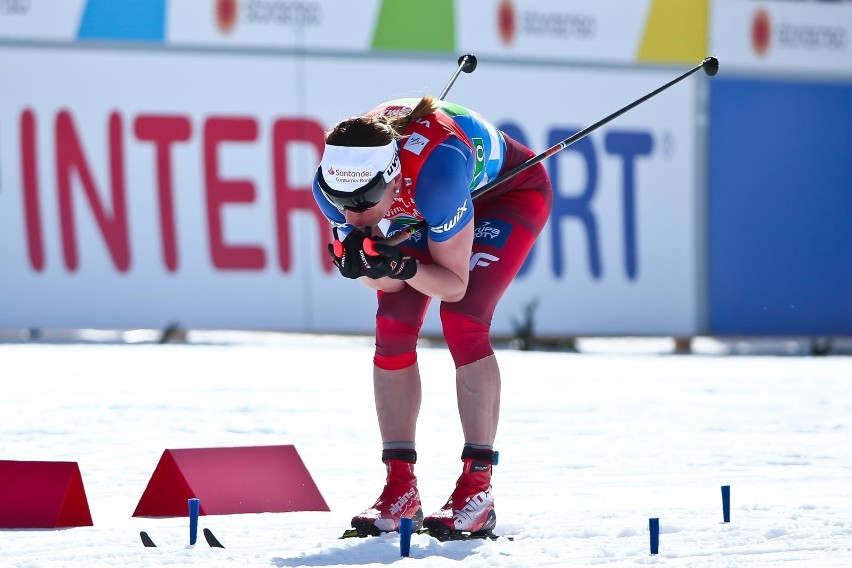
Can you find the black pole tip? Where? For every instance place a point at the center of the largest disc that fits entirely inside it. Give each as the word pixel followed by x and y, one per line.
pixel 468 62
pixel 711 66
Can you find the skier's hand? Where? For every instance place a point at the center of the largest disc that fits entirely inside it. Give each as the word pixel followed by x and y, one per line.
pixel 397 265
pixel 352 260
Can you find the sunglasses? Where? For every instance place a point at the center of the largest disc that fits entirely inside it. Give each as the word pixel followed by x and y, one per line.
pixel 361 199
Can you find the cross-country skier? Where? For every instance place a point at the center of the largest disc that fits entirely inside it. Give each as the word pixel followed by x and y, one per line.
pixel 404 162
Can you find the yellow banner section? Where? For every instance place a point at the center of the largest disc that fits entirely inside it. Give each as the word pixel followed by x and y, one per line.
pixel 588 31
pixel 675 32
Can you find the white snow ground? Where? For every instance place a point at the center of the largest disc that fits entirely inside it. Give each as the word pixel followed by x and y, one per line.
pixel 592 446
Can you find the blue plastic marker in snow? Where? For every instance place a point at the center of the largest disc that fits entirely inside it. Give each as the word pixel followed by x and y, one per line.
pixel 405 528
pixel 193 520
pixel 726 503
pixel 654 526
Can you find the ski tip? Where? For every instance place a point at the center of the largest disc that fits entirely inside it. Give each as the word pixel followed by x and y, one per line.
pixel 146 540
pixel 211 539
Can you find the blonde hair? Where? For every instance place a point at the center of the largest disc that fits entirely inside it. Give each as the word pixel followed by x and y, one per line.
pixel 378 130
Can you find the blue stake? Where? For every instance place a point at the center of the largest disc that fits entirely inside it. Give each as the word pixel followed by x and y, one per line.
pixel 726 503
pixel 654 526
pixel 405 528
pixel 193 520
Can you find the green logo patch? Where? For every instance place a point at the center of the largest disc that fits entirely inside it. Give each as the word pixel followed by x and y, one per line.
pixel 479 154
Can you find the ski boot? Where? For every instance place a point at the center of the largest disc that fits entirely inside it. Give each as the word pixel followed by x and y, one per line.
pixel 399 499
pixel 469 512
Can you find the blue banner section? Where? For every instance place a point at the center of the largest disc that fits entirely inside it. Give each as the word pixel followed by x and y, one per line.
pixel 780 208
pixel 123 20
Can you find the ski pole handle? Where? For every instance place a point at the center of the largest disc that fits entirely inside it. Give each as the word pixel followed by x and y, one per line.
pixel 369 248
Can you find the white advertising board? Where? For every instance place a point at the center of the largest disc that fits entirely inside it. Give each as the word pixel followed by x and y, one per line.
pixel 620 253
pixel 582 30
pixel 331 25
pixel 808 38
pixel 56 20
pixel 142 188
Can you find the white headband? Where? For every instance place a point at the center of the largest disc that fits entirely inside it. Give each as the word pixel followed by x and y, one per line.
pixel 347 168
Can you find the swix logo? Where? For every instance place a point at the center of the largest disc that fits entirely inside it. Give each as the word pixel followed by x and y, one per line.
pixel 482 259
pixel 399 504
pixel 452 222
pixel 424 122
pixel 465 517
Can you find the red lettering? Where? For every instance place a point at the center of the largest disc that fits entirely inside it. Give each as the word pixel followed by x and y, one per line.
pixel 70 159
pixel 220 192
pixel 32 205
pixel 289 198
pixel 164 131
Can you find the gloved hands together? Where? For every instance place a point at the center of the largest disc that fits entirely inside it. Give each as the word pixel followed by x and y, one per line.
pixel 349 256
pixel 399 267
pixel 359 255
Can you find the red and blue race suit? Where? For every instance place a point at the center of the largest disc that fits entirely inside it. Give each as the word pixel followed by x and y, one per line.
pixel 446 156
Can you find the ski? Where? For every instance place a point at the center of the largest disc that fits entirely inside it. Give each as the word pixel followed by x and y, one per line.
pixel 462 535
pixel 443 537
pixel 211 539
pixel 146 540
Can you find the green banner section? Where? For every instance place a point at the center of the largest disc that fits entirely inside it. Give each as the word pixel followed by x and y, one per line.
pixel 416 25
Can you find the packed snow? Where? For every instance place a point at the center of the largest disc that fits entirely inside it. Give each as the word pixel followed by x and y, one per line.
pixel 592 445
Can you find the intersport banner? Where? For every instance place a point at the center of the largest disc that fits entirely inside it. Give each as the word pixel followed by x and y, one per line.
pixel 141 188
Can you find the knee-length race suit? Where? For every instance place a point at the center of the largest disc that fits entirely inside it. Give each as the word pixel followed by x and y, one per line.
pixel 445 157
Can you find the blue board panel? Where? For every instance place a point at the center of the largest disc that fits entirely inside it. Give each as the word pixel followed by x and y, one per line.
pixel 780 208
pixel 127 20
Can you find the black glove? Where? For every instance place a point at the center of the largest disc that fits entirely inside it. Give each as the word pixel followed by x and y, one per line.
pixel 351 260
pixel 397 265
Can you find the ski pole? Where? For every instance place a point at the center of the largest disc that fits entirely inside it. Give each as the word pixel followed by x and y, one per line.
pixel 467 63
pixel 710 65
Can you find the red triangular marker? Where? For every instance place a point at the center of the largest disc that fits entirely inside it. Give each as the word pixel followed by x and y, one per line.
pixel 42 495
pixel 254 479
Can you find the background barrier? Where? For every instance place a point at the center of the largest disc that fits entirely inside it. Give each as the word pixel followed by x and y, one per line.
pixel 154 165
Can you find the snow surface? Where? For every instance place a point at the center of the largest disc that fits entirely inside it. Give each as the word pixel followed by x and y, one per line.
pixel 592 446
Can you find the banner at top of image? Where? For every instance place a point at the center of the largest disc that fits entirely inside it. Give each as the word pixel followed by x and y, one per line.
pixel 594 31
pixel 813 38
